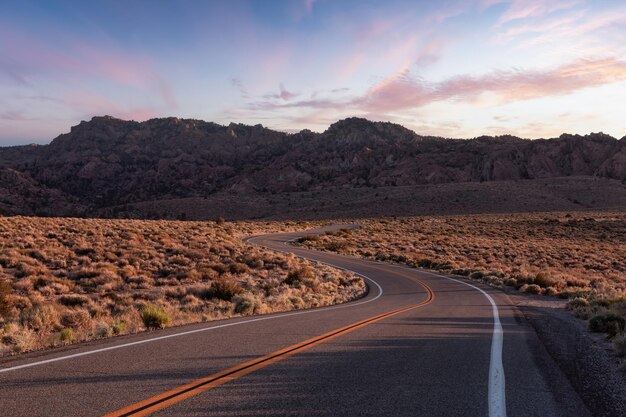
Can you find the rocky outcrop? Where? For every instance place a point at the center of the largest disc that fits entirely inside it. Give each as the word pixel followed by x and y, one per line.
pixel 107 161
pixel 20 194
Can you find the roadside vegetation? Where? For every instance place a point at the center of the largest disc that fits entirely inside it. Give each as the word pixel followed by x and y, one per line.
pixel 69 280
pixel 578 256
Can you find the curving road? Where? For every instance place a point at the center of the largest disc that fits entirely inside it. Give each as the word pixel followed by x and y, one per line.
pixel 419 344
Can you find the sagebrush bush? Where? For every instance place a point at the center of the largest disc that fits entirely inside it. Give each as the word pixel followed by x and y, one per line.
pixel 154 317
pixel 5 290
pixel 299 276
pixel 609 323
pixel 247 305
pixel 67 335
pixel 576 303
pixel 225 289
pixel 544 281
pixel 73 300
pixel 531 289
pixel 580 307
pixel 119 327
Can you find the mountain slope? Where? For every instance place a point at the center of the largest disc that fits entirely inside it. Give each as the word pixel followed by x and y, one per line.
pixel 108 162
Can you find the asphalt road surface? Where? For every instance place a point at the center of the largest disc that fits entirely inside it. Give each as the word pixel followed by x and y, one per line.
pixel 419 344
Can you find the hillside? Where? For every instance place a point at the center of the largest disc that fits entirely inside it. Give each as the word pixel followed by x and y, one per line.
pixel 103 165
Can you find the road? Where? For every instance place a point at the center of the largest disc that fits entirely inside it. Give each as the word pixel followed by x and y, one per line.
pixel 419 344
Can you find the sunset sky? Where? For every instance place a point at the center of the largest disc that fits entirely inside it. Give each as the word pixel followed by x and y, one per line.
pixel 452 68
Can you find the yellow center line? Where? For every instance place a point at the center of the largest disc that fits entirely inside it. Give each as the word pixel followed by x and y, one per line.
pixel 183 392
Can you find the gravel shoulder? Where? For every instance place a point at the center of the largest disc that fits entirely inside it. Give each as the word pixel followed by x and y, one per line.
pixel 586 359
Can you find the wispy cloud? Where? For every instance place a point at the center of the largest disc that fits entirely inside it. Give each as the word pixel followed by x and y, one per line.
pixel 524 9
pixel 14 115
pixel 503 86
pixel 29 58
pixel 238 84
pixel 403 91
pixel 282 94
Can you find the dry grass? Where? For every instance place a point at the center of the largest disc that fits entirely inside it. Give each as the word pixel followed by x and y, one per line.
pixel 69 280
pixel 582 254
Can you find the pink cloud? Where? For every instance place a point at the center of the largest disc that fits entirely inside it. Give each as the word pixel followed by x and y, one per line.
pixel 524 9
pixel 282 94
pixel 29 58
pixel 402 92
pixel 506 86
pixel 348 66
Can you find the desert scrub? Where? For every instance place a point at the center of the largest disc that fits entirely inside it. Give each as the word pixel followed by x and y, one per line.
pixel 154 317
pixel 569 255
pixel 580 307
pixel 577 256
pixel 67 335
pixel 95 275
pixel 607 322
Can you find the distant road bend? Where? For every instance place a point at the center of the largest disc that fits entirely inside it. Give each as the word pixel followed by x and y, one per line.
pixel 419 344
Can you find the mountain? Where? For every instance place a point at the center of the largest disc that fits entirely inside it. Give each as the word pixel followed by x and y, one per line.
pixel 20 194
pixel 108 162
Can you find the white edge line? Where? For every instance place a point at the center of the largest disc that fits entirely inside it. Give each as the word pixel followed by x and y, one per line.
pixel 169 336
pixel 496 388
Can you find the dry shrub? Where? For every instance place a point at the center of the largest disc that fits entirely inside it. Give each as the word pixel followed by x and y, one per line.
pixel 248 305
pixel 300 276
pixel 607 322
pixel 76 319
pixel 5 291
pixel 41 318
pixel 544 281
pixel 154 317
pixel 73 300
pixel 67 335
pixel 90 275
pixel 225 288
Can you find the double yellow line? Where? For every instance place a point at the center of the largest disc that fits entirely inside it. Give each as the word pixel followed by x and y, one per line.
pixel 183 392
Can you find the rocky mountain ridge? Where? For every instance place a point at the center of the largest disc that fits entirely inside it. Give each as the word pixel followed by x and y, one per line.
pixel 107 161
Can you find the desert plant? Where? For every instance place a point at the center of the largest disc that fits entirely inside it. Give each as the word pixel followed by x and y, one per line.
pixel 73 300
pixel 76 319
pixel 238 268
pixel 511 282
pixel 118 327
pixel 67 335
pixel 308 238
pixel 579 307
pixel 424 263
pixel 544 281
pixel 477 275
pixel 5 290
pixel 40 318
pixel 336 246
pixel 225 288
pixel 532 289
pixel 577 303
pixel 246 305
pixel 607 322
pixel 297 277
pixel 154 317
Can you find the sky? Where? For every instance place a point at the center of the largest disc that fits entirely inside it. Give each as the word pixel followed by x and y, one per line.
pixel 453 68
